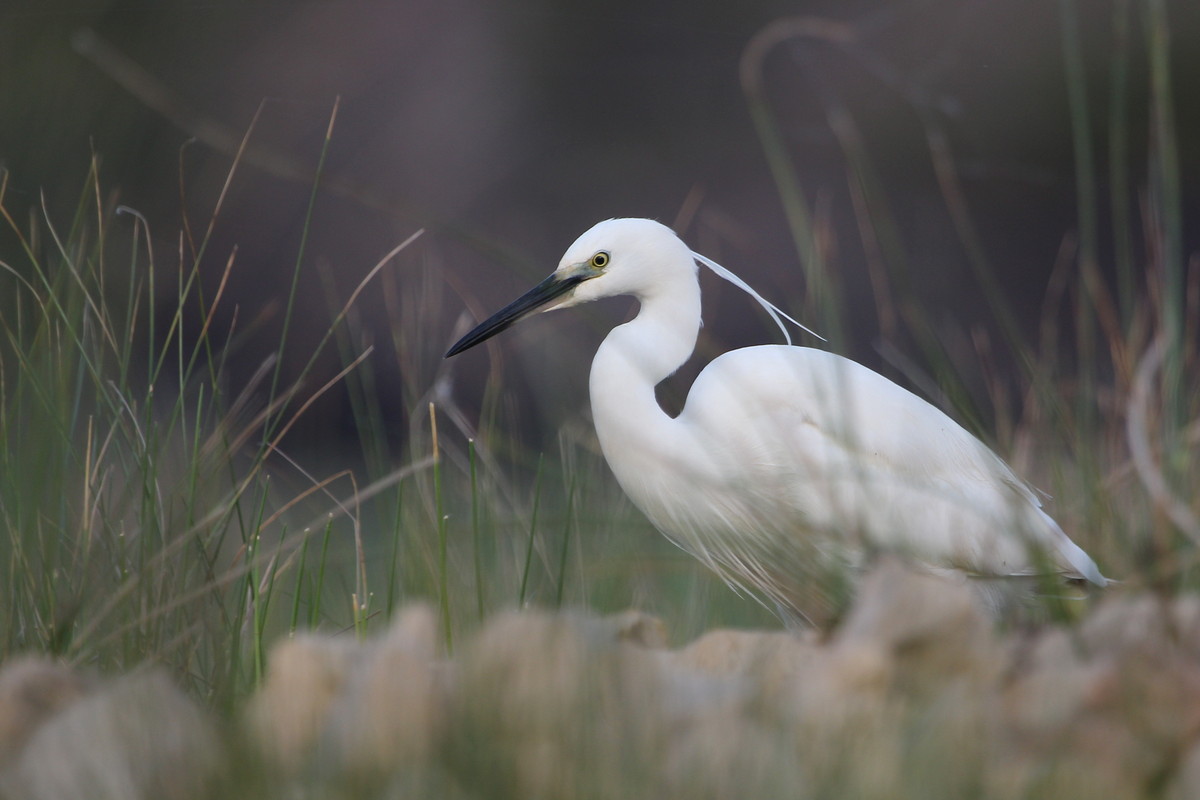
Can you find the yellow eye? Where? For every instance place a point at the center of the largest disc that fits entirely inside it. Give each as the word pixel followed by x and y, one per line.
pixel 600 260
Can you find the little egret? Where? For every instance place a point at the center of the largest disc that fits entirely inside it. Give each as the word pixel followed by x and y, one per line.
pixel 788 466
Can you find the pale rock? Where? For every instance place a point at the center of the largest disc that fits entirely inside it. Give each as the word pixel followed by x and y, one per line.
pixel 1050 688
pixel 1123 622
pixel 1186 617
pixel 32 690
pixel 842 719
pixel 1110 705
pixel 640 628
pixel 902 680
pixel 135 737
pixel 551 705
pixel 731 756
pixel 305 675
pixel 736 652
pixel 930 625
pixel 391 710
pixel 416 631
pixel 1185 783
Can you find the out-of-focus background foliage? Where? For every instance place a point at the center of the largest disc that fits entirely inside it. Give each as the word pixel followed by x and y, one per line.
pixel 216 433
pixel 509 128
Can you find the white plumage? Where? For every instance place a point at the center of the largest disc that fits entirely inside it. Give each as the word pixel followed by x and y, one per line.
pixel 788 465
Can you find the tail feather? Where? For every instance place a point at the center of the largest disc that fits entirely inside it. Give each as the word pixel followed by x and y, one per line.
pixel 1074 555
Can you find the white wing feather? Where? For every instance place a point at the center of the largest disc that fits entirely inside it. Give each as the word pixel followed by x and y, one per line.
pixel 873 460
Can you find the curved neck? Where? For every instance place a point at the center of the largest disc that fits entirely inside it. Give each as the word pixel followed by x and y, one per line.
pixel 631 361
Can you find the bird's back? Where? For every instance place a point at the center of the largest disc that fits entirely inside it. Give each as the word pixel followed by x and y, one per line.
pixel 814 460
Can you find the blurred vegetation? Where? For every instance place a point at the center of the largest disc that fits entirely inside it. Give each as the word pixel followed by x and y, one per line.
pixel 220 373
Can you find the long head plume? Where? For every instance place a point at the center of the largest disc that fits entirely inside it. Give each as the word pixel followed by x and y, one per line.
pixel 775 312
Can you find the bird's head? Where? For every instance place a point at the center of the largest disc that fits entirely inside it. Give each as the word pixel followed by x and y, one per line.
pixel 614 257
pixel 624 256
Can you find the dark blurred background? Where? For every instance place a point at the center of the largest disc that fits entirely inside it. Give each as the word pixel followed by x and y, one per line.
pixel 507 129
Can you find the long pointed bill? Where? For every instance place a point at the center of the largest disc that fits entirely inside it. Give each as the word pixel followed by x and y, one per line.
pixel 549 290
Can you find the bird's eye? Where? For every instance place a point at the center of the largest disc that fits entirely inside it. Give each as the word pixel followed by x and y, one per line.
pixel 600 260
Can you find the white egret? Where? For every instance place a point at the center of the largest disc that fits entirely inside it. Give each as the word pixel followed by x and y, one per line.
pixel 787 466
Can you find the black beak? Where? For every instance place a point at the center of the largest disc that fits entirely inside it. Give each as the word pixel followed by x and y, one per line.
pixel 554 287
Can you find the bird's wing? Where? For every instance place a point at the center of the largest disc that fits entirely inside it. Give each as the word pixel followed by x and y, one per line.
pixel 849 450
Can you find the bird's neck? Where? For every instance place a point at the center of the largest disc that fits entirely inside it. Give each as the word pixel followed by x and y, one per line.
pixel 631 361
